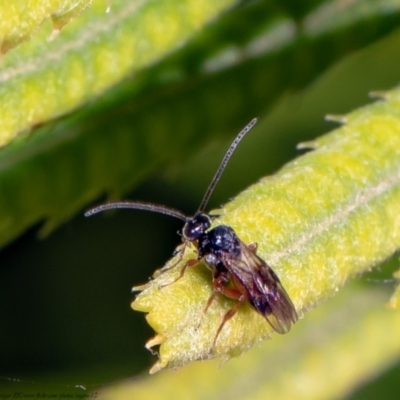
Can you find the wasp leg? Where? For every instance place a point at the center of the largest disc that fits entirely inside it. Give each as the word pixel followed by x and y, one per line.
pixel 220 279
pixel 181 251
pixel 189 263
pixel 210 300
pixel 219 287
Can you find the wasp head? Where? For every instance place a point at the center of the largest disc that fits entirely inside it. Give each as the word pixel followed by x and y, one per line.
pixel 196 226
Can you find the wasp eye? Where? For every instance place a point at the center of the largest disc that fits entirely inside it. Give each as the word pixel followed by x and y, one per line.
pixel 196 226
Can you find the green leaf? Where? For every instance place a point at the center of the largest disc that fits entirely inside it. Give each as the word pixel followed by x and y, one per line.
pixel 326 216
pixel 163 108
pixel 20 19
pixel 43 80
pixel 324 357
pixel 123 136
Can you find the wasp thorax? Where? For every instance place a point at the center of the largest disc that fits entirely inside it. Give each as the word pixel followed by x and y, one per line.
pixel 196 226
pixel 217 242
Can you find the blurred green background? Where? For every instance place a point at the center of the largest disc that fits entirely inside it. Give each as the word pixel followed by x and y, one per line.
pixel 65 299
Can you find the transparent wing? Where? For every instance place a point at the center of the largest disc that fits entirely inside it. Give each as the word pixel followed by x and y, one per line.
pixel 264 289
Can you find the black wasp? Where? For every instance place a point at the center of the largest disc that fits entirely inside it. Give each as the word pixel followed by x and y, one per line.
pixel 238 272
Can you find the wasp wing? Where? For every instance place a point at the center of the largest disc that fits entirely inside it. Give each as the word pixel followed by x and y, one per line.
pixel 263 288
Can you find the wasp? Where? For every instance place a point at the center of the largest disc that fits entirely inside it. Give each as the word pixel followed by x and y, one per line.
pixel 237 271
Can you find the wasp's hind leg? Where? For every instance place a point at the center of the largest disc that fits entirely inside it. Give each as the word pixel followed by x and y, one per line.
pixel 219 283
pixel 219 280
pixel 227 317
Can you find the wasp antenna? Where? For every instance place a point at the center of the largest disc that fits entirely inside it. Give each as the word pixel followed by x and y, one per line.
pixel 139 206
pixel 224 162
